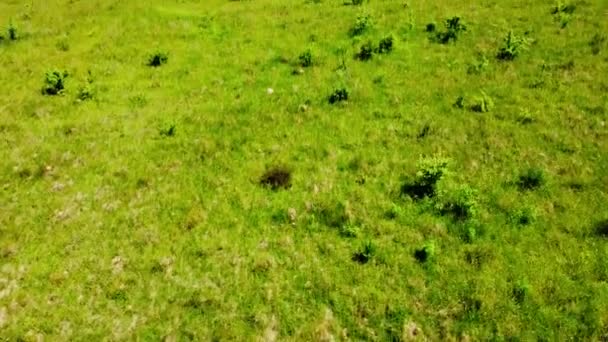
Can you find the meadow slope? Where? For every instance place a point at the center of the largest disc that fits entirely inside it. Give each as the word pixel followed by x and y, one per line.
pixel 223 193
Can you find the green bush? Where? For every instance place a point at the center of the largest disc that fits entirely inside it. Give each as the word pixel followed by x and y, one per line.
pixel 430 171
pixel 531 179
pixel 461 204
pixel 54 82
pixel 366 52
pixel 386 44
pixel 512 47
pixel 366 253
pixel 306 59
pixel 157 59
pixel 362 24
pixel 338 95
pixel 482 104
pixel 425 253
pixel 453 28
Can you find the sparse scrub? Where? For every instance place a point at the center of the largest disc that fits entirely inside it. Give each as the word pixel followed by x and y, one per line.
pixel 596 43
pixel 461 203
pixel 305 59
pixel 366 253
pixel 426 253
pixel 386 45
pixel 157 59
pixel 366 52
pixel 12 32
pixel 338 95
pixel 430 171
pixel 512 47
pixel 563 13
pixel 531 179
pixel 276 178
pixel 482 104
pixel 454 27
pixel 362 24
pixel 54 82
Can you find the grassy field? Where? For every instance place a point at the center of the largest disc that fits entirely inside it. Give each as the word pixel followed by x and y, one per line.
pixel 303 170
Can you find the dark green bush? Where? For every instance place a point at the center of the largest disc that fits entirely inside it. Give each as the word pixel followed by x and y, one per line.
pixel 531 179
pixel 362 24
pixel 157 59
pixel 54 82
pixel 306 59
pixel 365 254
pixel 430 171
pixel 339 95
pixel 386 44
pixel 453 28
pixel 366 52
pixel 512 47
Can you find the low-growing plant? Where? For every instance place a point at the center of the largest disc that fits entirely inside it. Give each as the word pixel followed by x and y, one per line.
pixel 157 59
pixel 338 95
pixel 54 82
pixel 596 43
pixel 357 2
pixel 430 171
pixel 431 27
pixel 482 104
pixel 459 103
pixel 601 229
pixel 362 24
pixel 366 52
pixel 563 13
pixel 453 28
pixel 460 204
pixel 512 47
pixel 169 130
pixel 523 216
pixel 479 65
pixel 276 178
pixel 531 179
pixel 12 31
pixel 366 253
pixel 386 44
pixel 425 253
pixel 520 291
pixel 305 59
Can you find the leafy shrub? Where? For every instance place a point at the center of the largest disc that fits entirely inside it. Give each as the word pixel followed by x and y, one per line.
pixel 338 95
pixel 12 32
pixel 601 229
pixel 513 46
pixel 483 104
pixel 430 171
pixel 54 82
pixel 276 178
pixel 462 204
pixel 563 13
pixel 459 102
pixel 520 291
pixel 478 66
pixel 306 59
pixel 365 254
pixel 362 24
pixel 431 27
pixel 85 92
pixel 169 130
pixel 426 253
pixel 531 179
pixel 357 2
pixel 453 28
pixel 386 44
pixel 596 43
pixel 523 216
pixel 365 52
pixel 157 59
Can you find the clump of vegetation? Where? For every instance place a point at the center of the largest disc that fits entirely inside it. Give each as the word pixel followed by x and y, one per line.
pixel 169 130
pixel 601 228
pixel 276 178
pixel 362 24
pixel 430 171
pixel 365 52
pixel 520 291
pixel 531 179
pixel 338 95
pixel 512 47
pixel 425 253
pixel 86 91
pixel 453 28
pixel 563 13
pixel 157 59
pixel 366 253
pixel 306 59
pixel 479 66
pixel 596 43
pixel 482 104
pixel 431 27
pixel 12 32
pixel 461 204
pixel 357 2
pixel 386 44
pixel 54 82
pixel 523 216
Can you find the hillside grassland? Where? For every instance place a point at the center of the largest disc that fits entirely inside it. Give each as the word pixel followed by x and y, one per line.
pixel 303 170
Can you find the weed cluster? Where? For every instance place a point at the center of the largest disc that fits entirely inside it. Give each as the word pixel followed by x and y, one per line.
pixel 54 82
pixel 338 95
pixel 453 28
pixel 512 47
pixel 306 59
pixel 362 24
pixel 563 13
pixel 157 59
pixel 430 171
pixel 531 179
pixel 277 178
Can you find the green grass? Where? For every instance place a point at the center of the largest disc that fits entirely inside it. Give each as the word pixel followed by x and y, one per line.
pixel 135 204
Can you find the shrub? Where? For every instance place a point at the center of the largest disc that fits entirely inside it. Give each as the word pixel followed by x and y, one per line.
pixel 362 24
pixel 386 44
pixel 459 102
pixel 169 130
pixel 365 254
pixel 523 216
pixel 357 2
pixel 338 95
pixel 85 92
pixel 430 171
pixel 520 291
pixel 513 46
pixel 563 13
pixel 276 178
pixel 12 32
pixel 306 59
pixel 601 229
pixel 483 103
pixel 365 52
pixel 453 28
pixel 531 179
pixel 462 204
pixel 431 27
pixel 596 43
pixel 426 253
pixel 157 59
pixel 54 82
